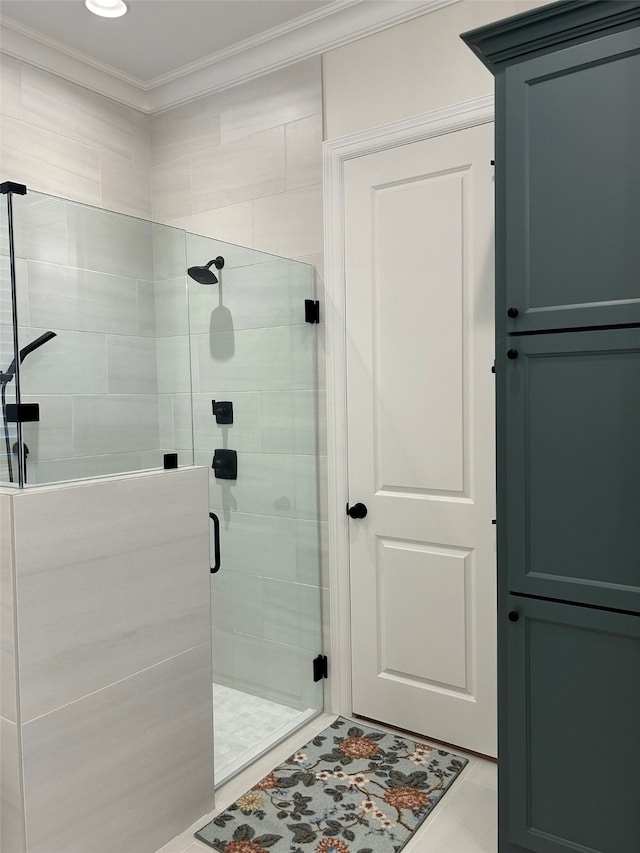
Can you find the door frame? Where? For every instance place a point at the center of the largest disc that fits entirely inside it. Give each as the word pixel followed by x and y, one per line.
pixel 335 154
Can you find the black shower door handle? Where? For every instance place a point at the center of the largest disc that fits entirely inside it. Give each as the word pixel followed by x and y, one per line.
pixel 216 542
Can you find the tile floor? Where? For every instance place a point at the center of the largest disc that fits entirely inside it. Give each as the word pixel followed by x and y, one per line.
pixel 244 726
pixel 465 821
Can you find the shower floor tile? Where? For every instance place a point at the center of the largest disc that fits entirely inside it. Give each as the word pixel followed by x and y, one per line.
pixel 244 726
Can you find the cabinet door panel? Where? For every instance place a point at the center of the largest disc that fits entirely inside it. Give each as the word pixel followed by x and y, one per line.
pixel 573 707
pixel 573 186
pixel 573 467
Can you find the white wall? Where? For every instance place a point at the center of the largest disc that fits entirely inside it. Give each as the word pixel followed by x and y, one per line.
pixel 409 69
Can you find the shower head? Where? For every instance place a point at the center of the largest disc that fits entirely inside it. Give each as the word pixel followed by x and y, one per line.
pixel 204 275
pixel 24 352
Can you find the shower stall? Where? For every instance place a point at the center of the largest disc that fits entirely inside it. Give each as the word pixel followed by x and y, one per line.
pixel 113 359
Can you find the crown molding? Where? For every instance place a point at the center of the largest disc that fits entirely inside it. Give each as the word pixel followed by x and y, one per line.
pixel 47 54
pixel 336 24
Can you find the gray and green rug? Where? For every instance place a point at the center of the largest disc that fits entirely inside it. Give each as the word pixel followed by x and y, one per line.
pixel 351 789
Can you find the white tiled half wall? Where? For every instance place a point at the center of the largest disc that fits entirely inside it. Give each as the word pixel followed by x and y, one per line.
pixel 107 734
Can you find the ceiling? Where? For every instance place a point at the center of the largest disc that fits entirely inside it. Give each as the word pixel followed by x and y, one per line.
pixel 156 37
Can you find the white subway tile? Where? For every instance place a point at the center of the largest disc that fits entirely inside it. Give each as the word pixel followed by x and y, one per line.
pixel 184 130
pixel 126 185
pixel 10 97
pixel 275 671
pixel 238 171
pixel 115 423
pixel 141 136
pixel 8 709
pixel 109 242
pixel 260 545
pixel 289 224
pixel 171 307
pixel 169 252
pixel 86 467
pixel 304 152
pixel 61 297
pixel 272 100
pixel 258 296
pixel 146 308
pixel 288 422
pixel 292 614
pixel 233 223
pixel 165 420
pixel 12 826
pixel 237 602
pixel 183 427
pixel 171 190
pixel 49 163
pixel 132 365
pixel 174 371
pixel 246 360
pixel 64 108
pixel 52 436
pixel 70 363
pixel 312 552
pixel 156 730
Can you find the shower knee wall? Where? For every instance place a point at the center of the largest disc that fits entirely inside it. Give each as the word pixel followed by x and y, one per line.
pixel 106 661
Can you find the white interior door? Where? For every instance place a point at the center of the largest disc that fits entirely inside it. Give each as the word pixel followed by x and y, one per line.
pixel 419 281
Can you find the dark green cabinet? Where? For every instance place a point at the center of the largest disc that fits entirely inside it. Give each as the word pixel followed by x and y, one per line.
pixel 575 114
pixel 572 750
pixel 571 442
pixel 567 178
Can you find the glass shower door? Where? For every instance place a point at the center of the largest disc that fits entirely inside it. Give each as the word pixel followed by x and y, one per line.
pixel 255 399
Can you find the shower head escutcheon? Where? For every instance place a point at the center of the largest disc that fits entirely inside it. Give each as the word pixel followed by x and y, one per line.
pixel 204 275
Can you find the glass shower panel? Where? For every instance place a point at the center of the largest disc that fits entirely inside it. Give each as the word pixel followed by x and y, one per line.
pixel 99 281
pixel 252 349
pixel 9 461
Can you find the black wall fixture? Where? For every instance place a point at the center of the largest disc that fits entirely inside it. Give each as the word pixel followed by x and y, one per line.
pixel 223 412
pixel 225 464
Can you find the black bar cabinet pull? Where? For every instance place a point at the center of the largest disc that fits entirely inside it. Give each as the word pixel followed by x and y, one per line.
pixel 216 542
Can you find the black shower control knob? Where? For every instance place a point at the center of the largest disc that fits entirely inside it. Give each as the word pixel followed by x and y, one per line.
pixel 513 616
pixel 512 312
pixel 512 353
pixel 357 511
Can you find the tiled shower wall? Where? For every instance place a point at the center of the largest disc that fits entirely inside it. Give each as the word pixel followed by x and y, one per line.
pixel 82 273
pixel 245 165
pixel 62 139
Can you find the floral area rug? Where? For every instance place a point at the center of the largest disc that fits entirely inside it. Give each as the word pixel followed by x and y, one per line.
pixel 351 789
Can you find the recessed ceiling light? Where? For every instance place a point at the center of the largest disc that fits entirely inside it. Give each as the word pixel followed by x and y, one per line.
pixel 107 8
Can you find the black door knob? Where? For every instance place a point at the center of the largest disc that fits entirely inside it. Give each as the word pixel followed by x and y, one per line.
pixel 513 616
pixel 357 511
pixel 512 353
pixel 512 312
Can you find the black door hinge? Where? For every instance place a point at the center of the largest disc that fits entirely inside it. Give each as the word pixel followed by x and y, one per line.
pixel 320 667
pixel 493 162
pixel 493 367
pixel 311 311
